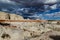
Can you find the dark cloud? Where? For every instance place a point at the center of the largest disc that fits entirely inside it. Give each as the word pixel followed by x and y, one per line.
pixel 36 2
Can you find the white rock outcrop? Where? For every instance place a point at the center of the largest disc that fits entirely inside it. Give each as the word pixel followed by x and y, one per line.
pixel 7 16
pixel 4 16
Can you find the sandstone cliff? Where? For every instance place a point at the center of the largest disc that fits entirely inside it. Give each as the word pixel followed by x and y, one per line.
pixel 7 16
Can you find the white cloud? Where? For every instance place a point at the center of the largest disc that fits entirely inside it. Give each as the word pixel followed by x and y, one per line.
pixel 50 1
pixel 53 6
pixel 49 14
pixel 46 1
pixel 7 1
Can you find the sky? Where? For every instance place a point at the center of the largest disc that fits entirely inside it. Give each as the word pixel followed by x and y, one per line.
pixel 30 1
pixel 49 12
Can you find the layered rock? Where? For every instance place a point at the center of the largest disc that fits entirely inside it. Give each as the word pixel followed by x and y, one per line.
pixel 6 16
pixel 27 30
pixel 15 17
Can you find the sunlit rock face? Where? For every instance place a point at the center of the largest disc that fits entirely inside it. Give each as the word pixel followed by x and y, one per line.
pixel 6 16
pixel 3 16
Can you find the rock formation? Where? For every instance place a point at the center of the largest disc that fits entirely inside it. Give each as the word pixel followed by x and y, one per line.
pixel 6 16
pixel 28 30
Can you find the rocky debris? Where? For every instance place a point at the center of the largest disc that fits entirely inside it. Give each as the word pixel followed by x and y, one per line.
pixel 52 35
pixel 6 16
pixel 27 30
pixel 22 30
pixel 7 33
